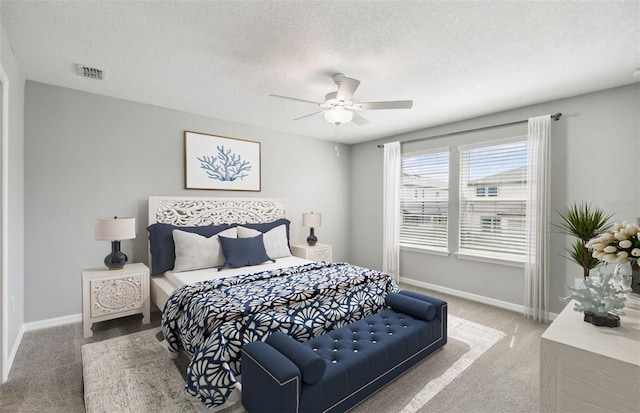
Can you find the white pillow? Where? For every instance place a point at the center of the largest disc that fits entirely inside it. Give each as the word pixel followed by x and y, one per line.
pixel 275 240
pixel 194 251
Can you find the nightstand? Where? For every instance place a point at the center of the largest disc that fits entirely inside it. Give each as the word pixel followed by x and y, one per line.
pixel 319 252
pixel 108 294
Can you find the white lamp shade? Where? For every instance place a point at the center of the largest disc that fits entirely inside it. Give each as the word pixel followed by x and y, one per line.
pixel 115 229
pixel 311 220
pixel 338 115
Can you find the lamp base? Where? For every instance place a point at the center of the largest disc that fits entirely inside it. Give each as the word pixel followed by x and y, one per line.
pixel 312 239
pixel 117 259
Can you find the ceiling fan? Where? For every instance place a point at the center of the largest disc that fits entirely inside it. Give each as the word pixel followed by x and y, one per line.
pixel 338 108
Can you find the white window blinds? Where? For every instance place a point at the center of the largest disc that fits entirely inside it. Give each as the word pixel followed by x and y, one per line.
pixel 492 199
pixel 424 199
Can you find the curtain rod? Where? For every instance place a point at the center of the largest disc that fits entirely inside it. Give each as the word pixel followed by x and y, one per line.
pixel 555 116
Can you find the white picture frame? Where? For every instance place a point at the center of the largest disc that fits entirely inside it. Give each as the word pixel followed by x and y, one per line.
pixel 221 163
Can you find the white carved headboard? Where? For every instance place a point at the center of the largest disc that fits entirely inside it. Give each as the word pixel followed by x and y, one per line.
pixel 199 211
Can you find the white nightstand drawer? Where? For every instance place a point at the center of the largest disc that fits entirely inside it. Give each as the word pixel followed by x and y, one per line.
pixel 115 295
pixel 318 252
pixel 108 294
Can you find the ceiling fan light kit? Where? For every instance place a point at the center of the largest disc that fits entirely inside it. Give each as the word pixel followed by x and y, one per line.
pixel 338 115
pixel 339 108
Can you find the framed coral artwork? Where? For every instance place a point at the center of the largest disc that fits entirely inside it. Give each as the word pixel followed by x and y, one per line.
pixel 219 162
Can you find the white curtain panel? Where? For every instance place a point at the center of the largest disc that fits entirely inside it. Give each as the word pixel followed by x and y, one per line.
pixel 391 211
pixel 536 266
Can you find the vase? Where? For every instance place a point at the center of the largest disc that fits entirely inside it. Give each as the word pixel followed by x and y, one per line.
pixel 631 270
pixel 635 277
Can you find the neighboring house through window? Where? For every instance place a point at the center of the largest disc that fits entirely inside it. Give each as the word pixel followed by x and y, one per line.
pixel 424 200
pixel 492 199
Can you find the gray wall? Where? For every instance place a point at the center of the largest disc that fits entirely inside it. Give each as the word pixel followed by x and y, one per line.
pixel 89 156
pixel 595 158
pixel 15 201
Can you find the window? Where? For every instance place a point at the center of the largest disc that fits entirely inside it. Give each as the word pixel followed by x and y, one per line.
pixel 491 224
pixel 424 199
pixel 487 191
pixel 492 199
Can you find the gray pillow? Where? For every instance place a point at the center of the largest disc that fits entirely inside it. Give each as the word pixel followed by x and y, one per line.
pixel 195 252
pixel 275 240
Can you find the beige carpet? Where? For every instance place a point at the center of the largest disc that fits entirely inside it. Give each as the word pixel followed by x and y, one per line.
pixel 133 374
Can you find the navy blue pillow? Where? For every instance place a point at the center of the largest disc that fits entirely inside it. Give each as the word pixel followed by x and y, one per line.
pixel 163 249
pixel 242 252
pixel 411 306
pixel 266 226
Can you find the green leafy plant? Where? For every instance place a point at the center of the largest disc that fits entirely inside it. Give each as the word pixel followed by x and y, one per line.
pixel 584 222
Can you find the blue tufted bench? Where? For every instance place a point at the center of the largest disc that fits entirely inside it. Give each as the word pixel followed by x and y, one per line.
pixel 335 371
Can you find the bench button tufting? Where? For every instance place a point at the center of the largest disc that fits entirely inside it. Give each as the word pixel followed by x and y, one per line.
pixel 374 342
pixel 334 361
pixel 390 334
pixel 315 349
pixel 355 351
pixel 335 349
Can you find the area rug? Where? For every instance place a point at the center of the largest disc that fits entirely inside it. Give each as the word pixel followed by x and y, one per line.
pixel 133 373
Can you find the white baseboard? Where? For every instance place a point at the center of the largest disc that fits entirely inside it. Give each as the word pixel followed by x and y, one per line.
pixel 35 325
pixel 469 296
pixel 13 351
pixel 53 322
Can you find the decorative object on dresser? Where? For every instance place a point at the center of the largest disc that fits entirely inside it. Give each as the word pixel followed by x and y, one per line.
pixel 218 162
pixel 620 246
pixel 584 222
pixel 311 220
pixel 318 252
pixel 110 294
pixel 115 230
pixel 600 300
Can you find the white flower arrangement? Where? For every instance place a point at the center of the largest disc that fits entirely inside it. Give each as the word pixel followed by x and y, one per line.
pixel 618 246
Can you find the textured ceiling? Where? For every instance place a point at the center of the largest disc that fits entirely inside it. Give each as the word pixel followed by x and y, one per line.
pixel 456 60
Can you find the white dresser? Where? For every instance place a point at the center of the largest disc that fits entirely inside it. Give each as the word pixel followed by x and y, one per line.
pixel 108 294
pixel 584 368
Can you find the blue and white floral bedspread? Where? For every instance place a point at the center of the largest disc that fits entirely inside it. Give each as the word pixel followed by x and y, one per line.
pixel 213 319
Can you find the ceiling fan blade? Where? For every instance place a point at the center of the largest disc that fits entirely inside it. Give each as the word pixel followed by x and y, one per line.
pixel 359 119
pixel 309 115
pixel 296 99
pixel 347 88
pixel 393 104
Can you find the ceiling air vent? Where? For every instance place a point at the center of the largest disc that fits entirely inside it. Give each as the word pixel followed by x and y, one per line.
pixel 90 72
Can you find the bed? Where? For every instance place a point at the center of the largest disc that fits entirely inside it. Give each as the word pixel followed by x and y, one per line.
pixel 211 314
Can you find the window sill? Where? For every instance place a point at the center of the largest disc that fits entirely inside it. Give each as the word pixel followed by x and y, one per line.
pixel 442 253
pixel 492 260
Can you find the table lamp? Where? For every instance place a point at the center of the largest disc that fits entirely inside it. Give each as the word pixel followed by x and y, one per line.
pixel 115 230
pixel 311 220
